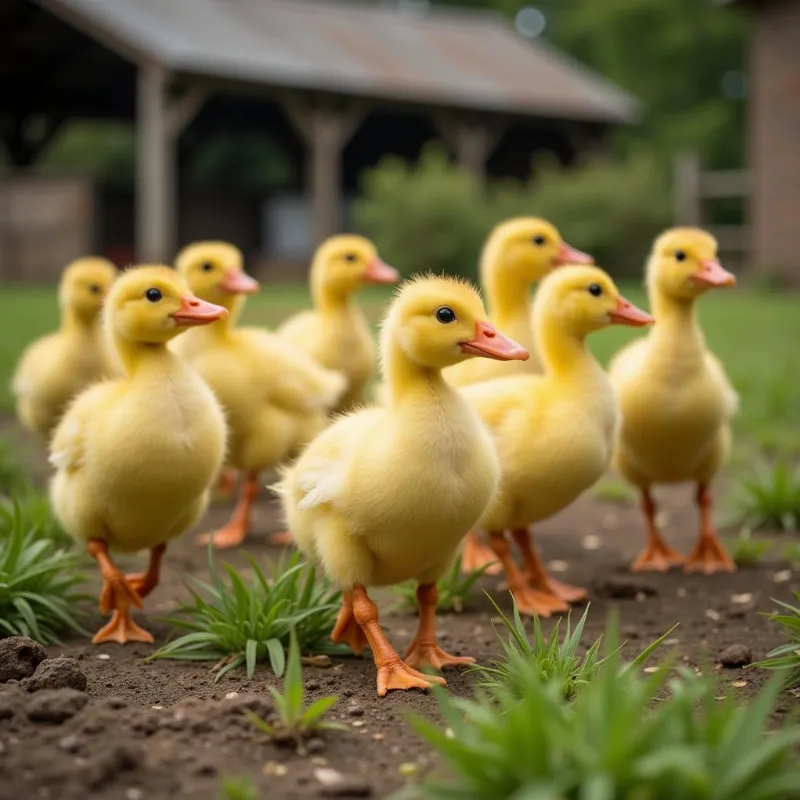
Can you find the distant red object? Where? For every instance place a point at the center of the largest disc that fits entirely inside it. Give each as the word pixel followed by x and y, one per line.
pixel 122 255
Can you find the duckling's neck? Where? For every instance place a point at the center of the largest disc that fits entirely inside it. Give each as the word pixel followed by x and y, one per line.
pixel 330 300
pixel 409 381
pixel 564 353
pixel 74 322
pixel 676 334
pixel 508 298
pixel 140 359
pixel 216 332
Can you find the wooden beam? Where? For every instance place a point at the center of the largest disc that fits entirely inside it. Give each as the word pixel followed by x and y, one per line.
pixel 182 110
pixel 471 142
pixel 686 190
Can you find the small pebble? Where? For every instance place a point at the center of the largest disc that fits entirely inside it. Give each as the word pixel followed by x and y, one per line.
pixel 104 657
pixel 359 723
pixel 69 744
pixel 652 669
pixel 407 769
pixel 741 599
pixel 737 655
pixel 134 794
pixel 355 711
pixel 713 615
pixel 681 592
pixel 229 696
pixel 312 685
pixel 378 737
pixel 315 745
pixel 158 708
pixel 273 768
pixel 739 684
pixel 591 542
pixel 782 576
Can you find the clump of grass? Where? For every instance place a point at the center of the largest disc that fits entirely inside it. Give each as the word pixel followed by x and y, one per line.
pixel 294 720
pixel 786 657
pixel 246 622
pixel 747 551
pixel 770 499
pixel 13 478
pixel 555 660
pixel 454 587
pixel 614 491
pixel 38 580
pixel 238 789
pixel 790 553
pixel 611 741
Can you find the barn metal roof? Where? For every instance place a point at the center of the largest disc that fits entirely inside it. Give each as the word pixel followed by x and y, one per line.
pixel 450 58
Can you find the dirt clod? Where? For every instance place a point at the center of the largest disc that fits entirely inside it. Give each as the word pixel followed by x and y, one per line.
pixel 315 746
pixel 19 657
pixel 108 763
pixel 56 705
pixel 69 744
pixel 355 711
pixel 737 655
pixel 624 588
pixel 335 784
pixel 57 673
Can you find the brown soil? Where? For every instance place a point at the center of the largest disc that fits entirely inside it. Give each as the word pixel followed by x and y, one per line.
pixel 164 729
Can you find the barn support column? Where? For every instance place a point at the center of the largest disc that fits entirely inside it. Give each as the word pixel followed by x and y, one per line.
pixel 325 131
pixel 161 119
pixel 471 142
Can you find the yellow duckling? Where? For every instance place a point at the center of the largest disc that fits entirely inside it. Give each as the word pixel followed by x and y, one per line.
pixel 135 457
pixel 517 255
pixel 554 432
pixel 386 494
pixel 55 368
pixel 675 398
pixel 275 397
pixel 336 333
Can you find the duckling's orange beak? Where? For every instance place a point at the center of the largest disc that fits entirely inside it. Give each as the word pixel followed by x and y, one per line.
pixel 379 272
pixel 712 273
pixel 626 313
pixel 237 282
pixel 488 342
pixel 569 255
pixel 194 311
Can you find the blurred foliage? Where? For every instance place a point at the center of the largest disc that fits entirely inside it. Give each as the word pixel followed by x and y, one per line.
pixel 434 216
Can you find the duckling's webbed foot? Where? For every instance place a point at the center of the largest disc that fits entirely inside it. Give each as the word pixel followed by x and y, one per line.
pixel 529 600
pixel 424 650
pixel 657 555
pixel 346 629
pixel 708 554
pixel 117 595
pixel 537 575
pixel 393 672
pixel 476 555
pixel 144 582
pixel 235 530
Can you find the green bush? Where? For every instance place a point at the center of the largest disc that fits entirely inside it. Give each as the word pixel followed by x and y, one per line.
pixel 435 216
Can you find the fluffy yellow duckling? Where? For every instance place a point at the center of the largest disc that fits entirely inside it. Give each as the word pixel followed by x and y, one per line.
pixel 675 398
pixel 135 457
pixel 386 494
pixel 53 369
pixel 517 255
pixel 554 432
pixel 336 333
pixel 275 397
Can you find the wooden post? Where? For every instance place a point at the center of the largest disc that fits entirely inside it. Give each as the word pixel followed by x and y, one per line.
pixel 687 190
pixel 325 132
pixel 160 122
pixel 472 143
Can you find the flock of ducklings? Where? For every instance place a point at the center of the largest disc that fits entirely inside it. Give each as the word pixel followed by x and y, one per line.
pixel 477 432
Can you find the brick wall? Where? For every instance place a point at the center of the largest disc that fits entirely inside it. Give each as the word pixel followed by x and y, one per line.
pixel 775 136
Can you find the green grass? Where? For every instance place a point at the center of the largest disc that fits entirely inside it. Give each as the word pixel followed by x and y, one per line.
pixel 238 788
pixel 746 550
pixel 769 498
pixel 752 331
pixel 454 588
pixel 786 657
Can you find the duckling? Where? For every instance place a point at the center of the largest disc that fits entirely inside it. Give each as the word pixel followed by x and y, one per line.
pixel 386 494
pixel 275 397
pixel 336 332
pixel 55 368
pixel 517 255
pixel 135 457
pixel 676 401
pixel 554 432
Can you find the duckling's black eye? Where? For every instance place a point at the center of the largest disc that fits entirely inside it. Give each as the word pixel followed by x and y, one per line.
pixel 445 315
pixel 680 255
pixel 539 240
pixel 595 289
pixel 94 288
pixel 350 257
pixel 153 295
pixel 206 266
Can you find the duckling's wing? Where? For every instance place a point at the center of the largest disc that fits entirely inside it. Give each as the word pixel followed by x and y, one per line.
pixel 298 329
pixel 34 363
pixel 717 372
pixel 68 445
pixel 628 362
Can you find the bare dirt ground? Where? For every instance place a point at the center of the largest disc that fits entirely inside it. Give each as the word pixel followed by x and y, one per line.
pixel 164 729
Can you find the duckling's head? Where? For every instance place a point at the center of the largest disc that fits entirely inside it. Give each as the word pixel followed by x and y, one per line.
pixel 583 299
pixel 213 272
pixel 525 249
pixel 683 264
pixel 151 304
pixel 343 264
pixel 84 286
pixel 440 321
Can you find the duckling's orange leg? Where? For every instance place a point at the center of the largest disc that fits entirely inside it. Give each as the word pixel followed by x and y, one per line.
pixel 536 572
pixel 346 629
pixel 708 554
pixel 528 599
pixel 424 650
pixel 226 483
pixel 281 539
pixel 144 582
pixel 657 556
pixel 476 555
pixel 235 531
pixel 117 595
pixel 393 672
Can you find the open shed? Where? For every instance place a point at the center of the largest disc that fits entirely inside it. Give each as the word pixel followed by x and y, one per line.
pixel 339 84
